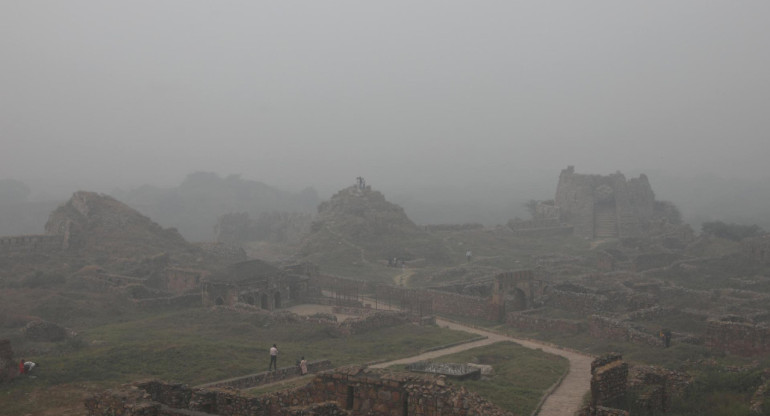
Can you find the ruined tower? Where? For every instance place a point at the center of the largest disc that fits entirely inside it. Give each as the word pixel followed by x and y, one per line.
pixel 601 206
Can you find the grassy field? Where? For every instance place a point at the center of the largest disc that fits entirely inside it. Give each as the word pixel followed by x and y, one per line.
pixel 197 346
pixel 521 375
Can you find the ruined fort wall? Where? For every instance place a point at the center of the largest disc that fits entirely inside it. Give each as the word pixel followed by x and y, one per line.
pixel 183 280
pixel 576 199
pixel 610 328
pixel 355 390
pixel 738 338
pixel 444 303
pixel 609 376
pixel 539 323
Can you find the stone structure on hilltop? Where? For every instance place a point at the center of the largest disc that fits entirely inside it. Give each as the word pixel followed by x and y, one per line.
pixel 604 206
pixel 258 283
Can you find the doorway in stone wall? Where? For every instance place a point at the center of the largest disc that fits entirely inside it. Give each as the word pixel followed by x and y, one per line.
pixel 264 301
pixel 277 299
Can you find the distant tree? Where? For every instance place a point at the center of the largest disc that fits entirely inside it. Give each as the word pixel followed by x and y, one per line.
pixel 13 191
pixel 735 232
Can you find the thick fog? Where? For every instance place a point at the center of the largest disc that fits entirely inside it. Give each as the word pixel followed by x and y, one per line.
pixel 478 104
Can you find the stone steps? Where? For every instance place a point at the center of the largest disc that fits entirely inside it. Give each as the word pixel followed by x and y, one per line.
pixel 605 223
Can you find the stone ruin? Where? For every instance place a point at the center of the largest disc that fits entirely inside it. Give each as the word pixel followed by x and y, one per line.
pixel 257 283
pixel 604 206
pixel 8 368
pixel 457 371
pixel 345 391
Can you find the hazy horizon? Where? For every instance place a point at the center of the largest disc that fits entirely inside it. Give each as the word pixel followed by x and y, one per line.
pixel 415 97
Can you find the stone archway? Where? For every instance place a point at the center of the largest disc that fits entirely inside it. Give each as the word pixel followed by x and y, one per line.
pixel 264 301
pixel 277 300
pixel 516 300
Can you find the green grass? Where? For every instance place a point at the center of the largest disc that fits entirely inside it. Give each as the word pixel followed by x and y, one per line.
pixel 521 375
pixel 198 346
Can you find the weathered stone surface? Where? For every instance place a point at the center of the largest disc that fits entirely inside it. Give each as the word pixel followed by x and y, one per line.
pixel 44 331
pixel 345 391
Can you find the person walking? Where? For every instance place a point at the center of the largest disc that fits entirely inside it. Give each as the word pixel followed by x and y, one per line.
pixel 273 358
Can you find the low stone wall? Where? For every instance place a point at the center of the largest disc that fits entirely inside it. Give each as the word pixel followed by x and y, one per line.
pixel 740 338
pixel 266 377
pixel 610 328
pixel 582 303
pixel 351 310
pixel 539 323
pixel 371 322
pixel 356 390
pixel 192 300
pixel 442 303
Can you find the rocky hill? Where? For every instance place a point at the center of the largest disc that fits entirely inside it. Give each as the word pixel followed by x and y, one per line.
pixel 360 224
pixel 100 226
pixel 194 206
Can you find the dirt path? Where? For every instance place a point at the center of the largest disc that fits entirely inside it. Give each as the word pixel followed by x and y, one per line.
pixel 564 400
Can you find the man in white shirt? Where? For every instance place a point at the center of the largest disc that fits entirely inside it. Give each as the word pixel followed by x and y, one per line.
pixel 273 358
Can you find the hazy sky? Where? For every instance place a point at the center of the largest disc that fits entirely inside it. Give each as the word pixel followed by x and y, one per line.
pixel 103 94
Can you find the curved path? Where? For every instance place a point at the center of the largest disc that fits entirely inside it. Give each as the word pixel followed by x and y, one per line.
pixel 566 399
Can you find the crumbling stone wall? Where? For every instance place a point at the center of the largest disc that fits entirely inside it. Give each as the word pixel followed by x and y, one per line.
pixel 654 387
pixel 609 375
pixel 180 280
pixel 356 390
pixel 582 303
pixel 445 303
pixel 8 368
pixel 372 322
pixel 580 197
pixel 740 338
pixel 524 320
pixel 611 328
pixel 182 301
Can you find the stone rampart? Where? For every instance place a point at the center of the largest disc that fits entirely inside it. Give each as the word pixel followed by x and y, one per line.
pixel 609 328
pixel 539 323
pixel 371 322
pixel 31 243
pixel 740 338
pixel 192 300
pixel 443 303
pixel 180 280
pixel 582 303
pixel 356 390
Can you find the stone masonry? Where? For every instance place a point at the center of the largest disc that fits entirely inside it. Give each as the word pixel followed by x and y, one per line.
pixel 357 390
pixel 604 206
